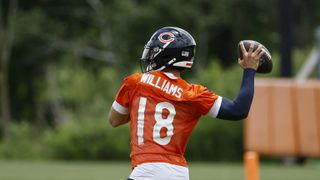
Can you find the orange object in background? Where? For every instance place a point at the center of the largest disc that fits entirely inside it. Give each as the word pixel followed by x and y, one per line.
pixel 251 163
pixel 284 120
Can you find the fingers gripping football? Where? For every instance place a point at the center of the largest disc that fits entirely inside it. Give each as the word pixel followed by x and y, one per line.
pixel 250 58
pixel 253 54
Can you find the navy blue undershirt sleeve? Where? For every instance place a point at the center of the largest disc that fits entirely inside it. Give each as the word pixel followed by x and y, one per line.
pixel 239 108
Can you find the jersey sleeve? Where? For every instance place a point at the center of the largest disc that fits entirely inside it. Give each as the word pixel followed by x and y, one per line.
pixel 206 100
pixel 122 99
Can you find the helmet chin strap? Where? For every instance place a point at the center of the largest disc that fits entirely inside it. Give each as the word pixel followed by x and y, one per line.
pixel 185 64
pixel 171 61
pixel 168 64
pixel 149 67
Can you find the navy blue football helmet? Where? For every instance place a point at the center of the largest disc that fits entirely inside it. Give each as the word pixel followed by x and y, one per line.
pixel 168 47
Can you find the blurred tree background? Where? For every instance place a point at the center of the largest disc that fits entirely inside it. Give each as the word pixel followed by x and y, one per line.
pixel 62 62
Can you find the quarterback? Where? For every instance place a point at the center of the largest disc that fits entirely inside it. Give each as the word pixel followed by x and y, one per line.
pixel 163 108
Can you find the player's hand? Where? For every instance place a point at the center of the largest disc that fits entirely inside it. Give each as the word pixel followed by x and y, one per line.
pixel 251 57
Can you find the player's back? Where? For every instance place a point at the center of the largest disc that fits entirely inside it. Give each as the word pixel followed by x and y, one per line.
pixel 163 110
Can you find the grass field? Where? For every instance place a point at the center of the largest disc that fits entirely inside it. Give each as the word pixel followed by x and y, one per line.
pixel 26 170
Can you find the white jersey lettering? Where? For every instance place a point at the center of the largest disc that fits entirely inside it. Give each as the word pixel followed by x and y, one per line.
pixel 162 84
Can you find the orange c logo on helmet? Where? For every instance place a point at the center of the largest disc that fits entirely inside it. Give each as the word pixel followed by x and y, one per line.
pixel 166 37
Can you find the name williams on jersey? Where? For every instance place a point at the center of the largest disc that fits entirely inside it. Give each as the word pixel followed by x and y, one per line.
pixel 162 84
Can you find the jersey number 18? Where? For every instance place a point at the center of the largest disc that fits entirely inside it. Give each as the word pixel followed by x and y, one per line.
pixel 160 121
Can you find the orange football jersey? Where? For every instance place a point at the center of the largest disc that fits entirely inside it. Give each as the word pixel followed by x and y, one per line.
pixel 163 112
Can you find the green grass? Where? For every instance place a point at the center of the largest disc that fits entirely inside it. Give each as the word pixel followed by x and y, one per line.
pixel 34 170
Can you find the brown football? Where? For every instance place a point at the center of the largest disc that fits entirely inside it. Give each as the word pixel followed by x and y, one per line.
pixel 265 65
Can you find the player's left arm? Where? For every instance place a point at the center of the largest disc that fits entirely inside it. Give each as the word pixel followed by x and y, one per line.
pixel 116 118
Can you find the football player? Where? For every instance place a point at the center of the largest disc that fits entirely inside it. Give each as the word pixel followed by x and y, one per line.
pixel 163 108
